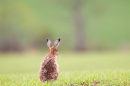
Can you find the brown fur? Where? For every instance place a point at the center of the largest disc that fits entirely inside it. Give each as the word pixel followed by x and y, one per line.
pixel 49 67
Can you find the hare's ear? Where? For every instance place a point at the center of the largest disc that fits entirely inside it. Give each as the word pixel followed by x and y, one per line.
pixel 57 42
pixel 48 42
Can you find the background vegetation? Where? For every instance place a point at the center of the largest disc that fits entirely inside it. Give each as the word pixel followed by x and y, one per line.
pixel 27 24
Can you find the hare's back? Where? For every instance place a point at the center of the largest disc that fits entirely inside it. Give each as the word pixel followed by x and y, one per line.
pixel 50 66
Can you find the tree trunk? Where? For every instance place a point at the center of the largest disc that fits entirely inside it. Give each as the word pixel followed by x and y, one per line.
pixel 79 27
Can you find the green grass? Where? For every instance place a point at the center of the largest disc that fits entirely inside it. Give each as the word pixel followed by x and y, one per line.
pixel 114 78
pixel 76 69
pixel 30 62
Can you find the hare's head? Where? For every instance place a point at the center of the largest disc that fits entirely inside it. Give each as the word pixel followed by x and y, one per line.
pixel 53 48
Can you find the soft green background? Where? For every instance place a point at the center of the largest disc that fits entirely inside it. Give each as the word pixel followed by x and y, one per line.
pixel 106 22
pixel 68 62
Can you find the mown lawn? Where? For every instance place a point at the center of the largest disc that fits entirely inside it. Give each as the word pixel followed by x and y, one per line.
pixel 76 69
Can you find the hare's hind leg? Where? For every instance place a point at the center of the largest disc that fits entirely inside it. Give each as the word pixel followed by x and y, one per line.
pixel 43 78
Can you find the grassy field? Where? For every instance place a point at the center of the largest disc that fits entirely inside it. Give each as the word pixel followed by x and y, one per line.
pixel 88 78
pixel 76 69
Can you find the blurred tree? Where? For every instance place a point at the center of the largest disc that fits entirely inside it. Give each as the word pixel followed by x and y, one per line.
pixel 9 40
pixel 79 26
pixel 75 6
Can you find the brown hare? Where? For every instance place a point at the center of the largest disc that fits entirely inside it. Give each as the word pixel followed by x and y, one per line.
pixel 49 67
